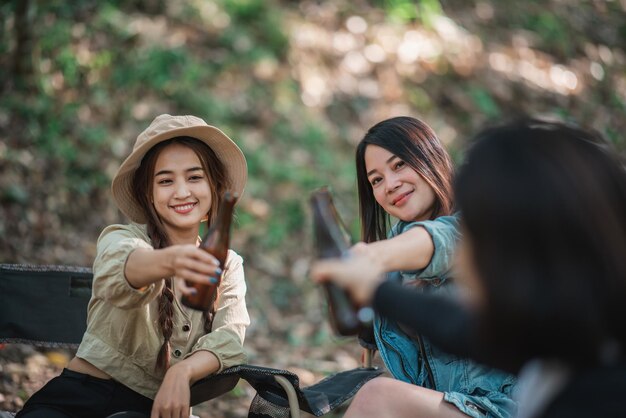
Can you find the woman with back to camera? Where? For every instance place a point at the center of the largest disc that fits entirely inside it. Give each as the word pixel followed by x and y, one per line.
pixel 543 209
pixel 404 172
pixel 142 348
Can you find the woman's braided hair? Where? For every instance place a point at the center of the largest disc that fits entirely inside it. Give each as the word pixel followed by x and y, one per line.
pixel 142 187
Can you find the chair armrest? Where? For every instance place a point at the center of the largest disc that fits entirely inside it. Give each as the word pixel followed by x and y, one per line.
pixel 214 385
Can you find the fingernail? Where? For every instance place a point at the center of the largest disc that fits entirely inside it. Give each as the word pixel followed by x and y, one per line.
pixel 213 280
pixel 193 291
pixel 218 271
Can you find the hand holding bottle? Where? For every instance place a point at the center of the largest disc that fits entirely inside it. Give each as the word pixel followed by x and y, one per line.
pixel 191 264
pixel 332 242
pixel 357 273
pixel 216 243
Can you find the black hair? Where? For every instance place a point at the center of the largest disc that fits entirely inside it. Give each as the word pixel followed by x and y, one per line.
pixel 415 143
pixel 544 208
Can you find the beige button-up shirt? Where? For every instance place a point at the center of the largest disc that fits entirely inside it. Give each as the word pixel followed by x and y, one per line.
pixel 123 335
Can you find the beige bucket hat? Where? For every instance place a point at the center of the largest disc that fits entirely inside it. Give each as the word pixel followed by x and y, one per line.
pixel 165 127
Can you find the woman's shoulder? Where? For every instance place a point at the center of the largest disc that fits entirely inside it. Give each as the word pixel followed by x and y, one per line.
pixel 234 273
pixel 442 222
pixel 117 232
pixel 233 259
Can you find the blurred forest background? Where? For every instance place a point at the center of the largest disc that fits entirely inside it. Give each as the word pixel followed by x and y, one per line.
pixel 296 84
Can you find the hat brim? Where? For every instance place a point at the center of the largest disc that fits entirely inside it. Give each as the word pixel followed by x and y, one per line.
pixel 225 149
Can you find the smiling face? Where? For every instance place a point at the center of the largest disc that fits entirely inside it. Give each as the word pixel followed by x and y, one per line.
pixel 397 187
pixel 181 192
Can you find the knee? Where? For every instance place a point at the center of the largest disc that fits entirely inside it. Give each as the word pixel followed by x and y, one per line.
pixel 371 398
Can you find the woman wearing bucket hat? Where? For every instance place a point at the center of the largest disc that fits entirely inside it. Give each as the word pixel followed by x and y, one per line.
pixel 142 348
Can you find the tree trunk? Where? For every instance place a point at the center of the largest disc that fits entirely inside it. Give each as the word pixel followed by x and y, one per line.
pixel 23 68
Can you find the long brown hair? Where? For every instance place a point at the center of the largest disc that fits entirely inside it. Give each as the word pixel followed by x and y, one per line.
pixel 415 143
pixel 143 189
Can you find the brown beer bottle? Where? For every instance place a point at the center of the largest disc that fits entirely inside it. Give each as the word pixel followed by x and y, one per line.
pixel 332 241
pixel 216 242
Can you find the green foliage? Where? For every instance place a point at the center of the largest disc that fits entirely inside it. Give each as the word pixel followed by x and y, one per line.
pixel 173 74
pixel 244 10
pixel 484 102
pixel 56 36
pixel 552 30
pixel 255 29
pixel 14 193
pixel 429 10
pixel 286 221
pixel 295 159
pixel 404 11
pixel 283 293
pixel 400 10
pixel 419 98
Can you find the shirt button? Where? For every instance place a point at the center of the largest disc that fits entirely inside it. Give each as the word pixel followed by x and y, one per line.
pixel 177 353
pixel 186 327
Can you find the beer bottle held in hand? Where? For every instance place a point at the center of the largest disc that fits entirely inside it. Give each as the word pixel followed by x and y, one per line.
pixel 332 241
pixel 216 242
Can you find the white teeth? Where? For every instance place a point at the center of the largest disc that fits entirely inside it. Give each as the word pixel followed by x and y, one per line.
pixel 184 207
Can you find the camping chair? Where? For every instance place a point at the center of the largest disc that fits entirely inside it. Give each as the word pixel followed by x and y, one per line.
pixel 46 305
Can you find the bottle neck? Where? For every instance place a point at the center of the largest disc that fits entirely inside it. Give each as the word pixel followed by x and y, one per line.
pixel 331 239
pixel 219 232
pixel 224 215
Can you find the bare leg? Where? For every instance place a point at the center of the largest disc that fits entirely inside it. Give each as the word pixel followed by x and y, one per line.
pixel 383 397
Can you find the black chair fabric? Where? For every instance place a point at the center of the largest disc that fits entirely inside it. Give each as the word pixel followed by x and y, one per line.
pixel 43 305
pixel 214 385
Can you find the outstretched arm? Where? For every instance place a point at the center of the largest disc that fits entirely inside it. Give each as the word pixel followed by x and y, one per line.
pixel 424 313
pixel 146 266
pixel 128 271
pixel 411 250
pixel 425 248
pixel 446 322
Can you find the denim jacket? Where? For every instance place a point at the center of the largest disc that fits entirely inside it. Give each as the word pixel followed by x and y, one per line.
pixel 474 389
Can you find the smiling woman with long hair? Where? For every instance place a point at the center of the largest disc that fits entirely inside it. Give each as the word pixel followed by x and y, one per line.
pixel 541 269
pixel 404 172
pixel 142 348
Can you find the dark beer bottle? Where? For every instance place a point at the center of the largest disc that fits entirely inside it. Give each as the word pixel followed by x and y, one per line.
pixel 216 242
pixel 332 241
